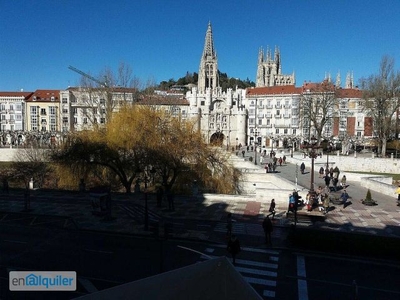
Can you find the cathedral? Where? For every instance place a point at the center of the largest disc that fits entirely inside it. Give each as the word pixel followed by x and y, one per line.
pixel 222 116
pixel 228 118
pixel 267 115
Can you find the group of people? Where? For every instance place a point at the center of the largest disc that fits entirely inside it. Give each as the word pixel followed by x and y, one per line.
pixel 271 165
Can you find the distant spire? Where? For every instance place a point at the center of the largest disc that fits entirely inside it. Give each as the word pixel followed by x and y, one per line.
pixel 338 83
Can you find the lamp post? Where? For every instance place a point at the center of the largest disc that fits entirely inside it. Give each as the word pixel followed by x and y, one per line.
pixel 312 153
pixel 255 147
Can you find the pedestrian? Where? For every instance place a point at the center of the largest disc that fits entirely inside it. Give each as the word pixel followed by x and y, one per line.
pixel 268 228
pixel 243 152
pixel 343 181
pixel 291 203
pixel 229 226
pixel 159 196
pixel 398 195
pixel 272 209
pixel 335 182
pixel 321 172
pixel 327 179
pixel 284 159
pixel 344 198
pixel 261 160
pixel 233 247
pixel 280 161
pixel 331 172
pixel 302 167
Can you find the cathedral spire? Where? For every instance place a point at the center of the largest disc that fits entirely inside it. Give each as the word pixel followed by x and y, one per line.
pixel 208 71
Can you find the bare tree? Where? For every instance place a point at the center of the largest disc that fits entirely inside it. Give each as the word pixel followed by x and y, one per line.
pixel 102 96
pixel 381 100
pixel 317 107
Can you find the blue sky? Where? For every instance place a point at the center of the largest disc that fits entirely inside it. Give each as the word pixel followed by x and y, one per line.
pixel 163 39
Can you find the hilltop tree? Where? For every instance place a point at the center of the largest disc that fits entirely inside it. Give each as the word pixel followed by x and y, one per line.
pixel 381 100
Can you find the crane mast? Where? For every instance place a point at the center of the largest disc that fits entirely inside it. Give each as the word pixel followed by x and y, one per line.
pixel 103 84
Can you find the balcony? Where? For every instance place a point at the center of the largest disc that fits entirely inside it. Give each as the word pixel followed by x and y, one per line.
pixel 278 106
pixel 269 106
pixel 277 116
pixel 268 116
pixel 286 116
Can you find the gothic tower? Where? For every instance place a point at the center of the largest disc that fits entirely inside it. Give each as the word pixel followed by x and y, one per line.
pixel 269 71
pixel 208 71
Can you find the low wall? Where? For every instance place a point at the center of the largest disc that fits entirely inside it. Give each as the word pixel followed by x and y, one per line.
pixel 353 163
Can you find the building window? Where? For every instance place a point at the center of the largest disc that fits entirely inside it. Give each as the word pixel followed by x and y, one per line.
pixel 102 101
pixel 259 121
pixel 251 121
pixel 65 110
pixel 202 103
pixel 277 130
pixel 285 131
pixel 75 120
pixel 85 121
pixel 65 120
pixel 294 131
pixel 102 120
pixel 52 110
pixel 64 100
pixel 43 111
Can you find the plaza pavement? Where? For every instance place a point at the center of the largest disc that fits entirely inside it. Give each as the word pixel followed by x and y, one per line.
pixel 203 216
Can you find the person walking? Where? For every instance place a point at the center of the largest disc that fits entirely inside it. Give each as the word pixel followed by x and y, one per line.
pixel 327 179
pixel 280 161
pixel 233 247
pixel 272 209
pixel 343 181
pixel 302 167
pixel 321 172
pixel 268 228
pixel 344 198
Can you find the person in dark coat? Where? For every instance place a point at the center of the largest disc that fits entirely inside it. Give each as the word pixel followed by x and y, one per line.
pixel 272 208
pixel 267 226
pixel 234 247
pixel 302 168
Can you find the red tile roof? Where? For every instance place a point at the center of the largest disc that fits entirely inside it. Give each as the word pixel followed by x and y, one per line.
pixel 273 90
pixel 15 94
pixel 349 93
pixel 45 96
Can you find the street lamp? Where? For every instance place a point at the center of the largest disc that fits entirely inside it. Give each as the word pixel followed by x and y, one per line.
pixel 255 147
pixel 312 153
